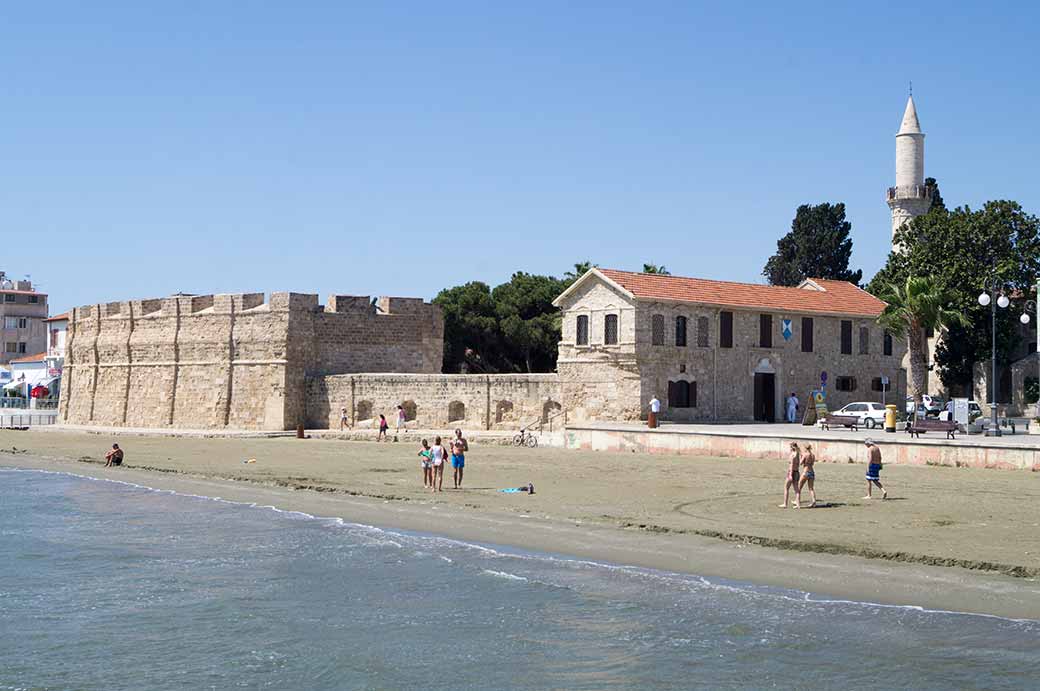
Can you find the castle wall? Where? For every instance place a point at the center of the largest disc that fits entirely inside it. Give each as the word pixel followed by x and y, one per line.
pixel 232 361
pixel 474 401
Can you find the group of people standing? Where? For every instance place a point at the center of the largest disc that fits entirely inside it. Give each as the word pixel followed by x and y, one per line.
pixel 432 460
pixel 801 472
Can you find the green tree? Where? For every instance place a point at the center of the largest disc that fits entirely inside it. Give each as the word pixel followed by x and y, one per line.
pixel 655 269
pixel 470 327
pixel 914 306
pixel 528 322
pixel 962 250
pixel 818 246
pixel 580 269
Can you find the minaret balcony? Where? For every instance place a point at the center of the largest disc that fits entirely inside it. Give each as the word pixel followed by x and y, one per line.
pixel 909 192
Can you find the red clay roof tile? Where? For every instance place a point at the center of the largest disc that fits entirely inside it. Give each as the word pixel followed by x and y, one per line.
pixel 837 297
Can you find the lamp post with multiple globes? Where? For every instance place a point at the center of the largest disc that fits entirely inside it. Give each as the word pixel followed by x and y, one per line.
pixel 1003 302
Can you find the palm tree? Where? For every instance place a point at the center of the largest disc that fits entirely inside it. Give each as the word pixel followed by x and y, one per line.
pixel 580 269
pixel 655 269
pixel 913 307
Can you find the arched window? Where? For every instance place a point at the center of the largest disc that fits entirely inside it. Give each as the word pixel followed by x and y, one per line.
pixel 456 411
pixel 680 332
pixel 657 329
pixel 610 329
pixel 548 409
pixel 582 331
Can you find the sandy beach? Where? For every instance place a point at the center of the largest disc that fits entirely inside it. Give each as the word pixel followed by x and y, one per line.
pixel 947 538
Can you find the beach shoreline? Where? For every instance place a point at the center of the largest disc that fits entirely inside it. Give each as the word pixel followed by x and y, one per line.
pixel 824 576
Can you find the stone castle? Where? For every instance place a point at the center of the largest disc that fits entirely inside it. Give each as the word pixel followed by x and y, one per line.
pixel 233 361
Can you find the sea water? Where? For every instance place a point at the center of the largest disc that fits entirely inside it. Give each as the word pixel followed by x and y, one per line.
pixel 105 585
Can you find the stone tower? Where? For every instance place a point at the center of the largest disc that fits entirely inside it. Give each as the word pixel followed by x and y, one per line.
pixel 910 197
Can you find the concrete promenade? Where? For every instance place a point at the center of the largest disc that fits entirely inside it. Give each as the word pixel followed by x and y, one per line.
pixel 1018 451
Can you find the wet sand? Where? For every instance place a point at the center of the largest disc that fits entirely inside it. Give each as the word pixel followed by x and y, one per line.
pixel 947 538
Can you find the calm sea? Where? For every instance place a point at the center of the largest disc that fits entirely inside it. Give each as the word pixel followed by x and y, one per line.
pixel 106 585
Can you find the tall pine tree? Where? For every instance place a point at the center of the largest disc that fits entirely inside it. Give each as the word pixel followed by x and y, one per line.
pixel 818 246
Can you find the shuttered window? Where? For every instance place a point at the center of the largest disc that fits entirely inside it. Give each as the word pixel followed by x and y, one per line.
pixel 682 394
pixel 888 344
pixel 680 332
pixel 610 329
pixel 765 331
pixel 846 338
pixel 582 330
pixel 725 329
pixel 657 329
pixel 807 334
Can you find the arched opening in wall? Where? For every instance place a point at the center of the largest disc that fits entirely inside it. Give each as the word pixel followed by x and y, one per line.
pixel 503 410
pixel 456 411
pixel 549 409
pixel 410 411
pixel 364 410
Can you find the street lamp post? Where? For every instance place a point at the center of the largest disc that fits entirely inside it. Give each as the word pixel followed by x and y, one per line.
pixel 984 299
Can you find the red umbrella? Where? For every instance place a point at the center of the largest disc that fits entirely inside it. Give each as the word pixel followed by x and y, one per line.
pixel 40 392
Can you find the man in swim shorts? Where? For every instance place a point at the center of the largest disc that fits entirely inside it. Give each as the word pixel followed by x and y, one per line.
pixel 114 457
pixel 874 469
pixel 459 447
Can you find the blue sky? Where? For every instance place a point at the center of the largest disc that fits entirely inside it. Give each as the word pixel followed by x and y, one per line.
pixel 399 148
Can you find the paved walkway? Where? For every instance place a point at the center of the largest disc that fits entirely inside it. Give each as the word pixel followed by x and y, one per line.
pixel 798 431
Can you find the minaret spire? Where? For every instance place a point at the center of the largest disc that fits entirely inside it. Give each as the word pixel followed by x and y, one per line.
pixel 909 197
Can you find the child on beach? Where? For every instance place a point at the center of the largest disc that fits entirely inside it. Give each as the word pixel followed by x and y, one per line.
pixel 792 473
pixel 383 427
pixel 874 469
pixel 808 478
pixel 438 455
pixel 424 463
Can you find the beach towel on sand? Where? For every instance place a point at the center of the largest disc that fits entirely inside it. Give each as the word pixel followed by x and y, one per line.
pixel 529 488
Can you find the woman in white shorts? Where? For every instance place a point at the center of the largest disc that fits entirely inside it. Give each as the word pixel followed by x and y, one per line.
pixel 438 454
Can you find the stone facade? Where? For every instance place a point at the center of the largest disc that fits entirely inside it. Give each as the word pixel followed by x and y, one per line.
pixel 431 401
pixel 615 381
pixel 233 361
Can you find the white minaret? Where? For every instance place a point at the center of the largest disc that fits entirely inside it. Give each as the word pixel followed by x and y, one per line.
pixel 909 198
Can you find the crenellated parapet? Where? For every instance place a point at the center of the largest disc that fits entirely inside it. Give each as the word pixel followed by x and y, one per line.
pixel 235 360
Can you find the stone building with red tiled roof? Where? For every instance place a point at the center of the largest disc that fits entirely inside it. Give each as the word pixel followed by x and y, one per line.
pixel 719 350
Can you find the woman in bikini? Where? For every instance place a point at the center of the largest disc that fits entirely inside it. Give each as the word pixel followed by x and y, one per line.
pixel 808 478
pixel 792 473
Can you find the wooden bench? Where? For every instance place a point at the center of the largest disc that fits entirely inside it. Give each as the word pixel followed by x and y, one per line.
pixel 919 425
pixel 840 421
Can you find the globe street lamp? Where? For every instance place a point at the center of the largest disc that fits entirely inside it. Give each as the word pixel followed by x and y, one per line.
pixel 984 299
pixel 1034 305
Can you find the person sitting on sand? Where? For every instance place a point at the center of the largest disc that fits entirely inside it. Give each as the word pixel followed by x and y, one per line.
pixel 424 463
pixel 792 473
pixel 383 427
pixel 114 457
pixel 874 469
pixel 438 456
pixel 808 478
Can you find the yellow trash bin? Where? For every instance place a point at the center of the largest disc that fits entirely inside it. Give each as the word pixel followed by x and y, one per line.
pixel 890 417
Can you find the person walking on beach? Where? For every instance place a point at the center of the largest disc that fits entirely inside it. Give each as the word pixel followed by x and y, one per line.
pixel 792 407
pixel 459 447
pixel 808 478
pixel 114 457
pixel 874 469
pixel 383 427
pixel 792 473
pixel 344 422
pixel 426 465
pixel 655 408
pixel 438 454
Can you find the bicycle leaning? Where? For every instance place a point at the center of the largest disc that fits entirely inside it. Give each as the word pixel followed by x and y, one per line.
pixel 525 438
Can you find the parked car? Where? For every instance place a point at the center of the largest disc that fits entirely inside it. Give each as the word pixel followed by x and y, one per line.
pixel 932 405
pixel 870 414
pixel 974 412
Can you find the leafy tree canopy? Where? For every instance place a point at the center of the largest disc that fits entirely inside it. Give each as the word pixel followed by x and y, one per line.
pixel 818 246
pixel 962 250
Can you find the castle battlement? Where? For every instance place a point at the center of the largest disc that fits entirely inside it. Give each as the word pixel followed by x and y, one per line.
pixel 233 359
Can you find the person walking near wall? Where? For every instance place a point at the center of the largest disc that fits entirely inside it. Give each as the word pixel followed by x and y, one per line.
pixel 402 420
pixel 344 421
pixel 383 427
pixel 459 447
pixel 655 408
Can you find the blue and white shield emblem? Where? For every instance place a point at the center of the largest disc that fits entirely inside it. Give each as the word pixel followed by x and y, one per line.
pixel 786 330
